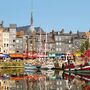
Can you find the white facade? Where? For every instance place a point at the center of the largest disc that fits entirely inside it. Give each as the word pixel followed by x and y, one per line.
pixel 6 42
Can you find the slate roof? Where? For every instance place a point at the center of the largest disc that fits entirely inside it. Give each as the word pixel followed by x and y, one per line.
pixel 82 35
pixel 26 28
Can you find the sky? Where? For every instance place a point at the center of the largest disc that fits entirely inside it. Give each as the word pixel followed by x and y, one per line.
pixel 49 14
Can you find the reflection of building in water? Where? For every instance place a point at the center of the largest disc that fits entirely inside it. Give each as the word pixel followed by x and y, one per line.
pixel 13 85
pixel 7 84
pixel 55 85
pixel 21 84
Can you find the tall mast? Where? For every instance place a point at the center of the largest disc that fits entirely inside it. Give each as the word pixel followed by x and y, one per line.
pixel 31 19
pixel 46 44
pixel 40 40
pixel 40 44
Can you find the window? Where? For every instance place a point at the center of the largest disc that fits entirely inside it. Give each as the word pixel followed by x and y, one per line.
pixel 69 41
pixel 56 49
pixel 59 49
pixel 69 46
pixel 59 38
pixel 59 43
pixel 56 38
pixel 56 43
pixel 13 40
pixel 4 45
pixel 17 41
pixel 7 45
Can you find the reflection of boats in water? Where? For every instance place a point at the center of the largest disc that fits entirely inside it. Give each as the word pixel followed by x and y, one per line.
pixel 48 65
pixel 30 71
pixel 29 66
pixel 49 73
pixel 81 76
pixel 85 67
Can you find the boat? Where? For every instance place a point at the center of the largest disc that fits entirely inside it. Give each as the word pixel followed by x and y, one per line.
pixel 29 66
pixel 85 67
pixel 48 73
pixel 48 65
pixel 82 76
pixel 30 71
pixel 69 67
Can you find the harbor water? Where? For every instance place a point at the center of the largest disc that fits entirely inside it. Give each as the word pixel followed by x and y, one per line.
pixel 24 79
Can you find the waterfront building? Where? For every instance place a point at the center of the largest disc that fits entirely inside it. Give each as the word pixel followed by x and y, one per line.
pixel 78 39
pixel 20 42
pixel 19 45
pixel 12 38
pixel 7 84
pixel 63 41
pixel 15 39
pixel 6 40
pixel 68 42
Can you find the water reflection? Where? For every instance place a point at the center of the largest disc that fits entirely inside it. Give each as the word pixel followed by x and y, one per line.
pixel 41 80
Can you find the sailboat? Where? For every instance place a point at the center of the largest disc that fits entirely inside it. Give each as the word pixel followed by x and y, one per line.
pixel 47 64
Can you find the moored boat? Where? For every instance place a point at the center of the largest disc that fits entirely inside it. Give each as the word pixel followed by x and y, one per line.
pixel 85 67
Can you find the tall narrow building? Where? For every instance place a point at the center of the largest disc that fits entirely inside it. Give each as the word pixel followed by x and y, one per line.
pixel 12 44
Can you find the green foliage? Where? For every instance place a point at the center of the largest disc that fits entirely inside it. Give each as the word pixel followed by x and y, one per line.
pixel 13 63
pixel 84 46
pixel 82 49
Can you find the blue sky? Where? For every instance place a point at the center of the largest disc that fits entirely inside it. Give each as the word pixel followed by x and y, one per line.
pixel 49 14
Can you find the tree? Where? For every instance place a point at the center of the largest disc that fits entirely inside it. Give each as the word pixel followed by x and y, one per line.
pixel 82 49
pixel 86 44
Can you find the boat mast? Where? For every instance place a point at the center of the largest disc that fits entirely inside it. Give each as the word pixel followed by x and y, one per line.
pixel 40 44
pixel 46 44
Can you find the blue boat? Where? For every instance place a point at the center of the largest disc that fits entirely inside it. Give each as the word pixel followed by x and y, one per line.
pixel 30 66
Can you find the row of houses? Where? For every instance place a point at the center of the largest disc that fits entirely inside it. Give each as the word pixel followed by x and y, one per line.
pixel 28 38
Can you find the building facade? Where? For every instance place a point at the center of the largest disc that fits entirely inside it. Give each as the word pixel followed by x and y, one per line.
pixel 12 38
pixel 6 41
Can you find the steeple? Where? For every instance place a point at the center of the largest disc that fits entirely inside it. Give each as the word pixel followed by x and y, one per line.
pixel 31 28
pixel 31 18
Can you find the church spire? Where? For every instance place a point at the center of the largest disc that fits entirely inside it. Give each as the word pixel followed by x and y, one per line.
pixel 31 18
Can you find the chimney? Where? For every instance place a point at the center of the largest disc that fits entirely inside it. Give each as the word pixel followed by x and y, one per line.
pixel 13 26
pixel 1 23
